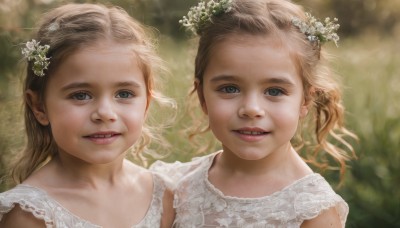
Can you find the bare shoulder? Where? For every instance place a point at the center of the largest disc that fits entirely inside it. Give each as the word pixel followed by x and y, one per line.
pixel 328 218
pixel 18 218
pixel 140 179
pixel 138 172
pixel 168 214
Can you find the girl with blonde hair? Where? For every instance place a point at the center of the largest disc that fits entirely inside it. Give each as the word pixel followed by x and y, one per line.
pixel 89 83
pixel 260 76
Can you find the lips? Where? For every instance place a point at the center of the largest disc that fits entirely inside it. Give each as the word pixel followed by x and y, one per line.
pixel 251 131
pixel 103 137
pixel 251 134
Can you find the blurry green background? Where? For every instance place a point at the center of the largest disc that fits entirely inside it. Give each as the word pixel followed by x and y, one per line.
pixel 368 60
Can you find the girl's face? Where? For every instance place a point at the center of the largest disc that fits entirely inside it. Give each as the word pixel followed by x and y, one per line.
pixel 253 96
pixel 95 103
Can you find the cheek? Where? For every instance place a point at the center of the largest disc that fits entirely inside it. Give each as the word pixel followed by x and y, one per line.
pixel 215 118
pixel 217 113
pixel 287 115
pixel 61 114
pixel 134 117
pixel 219 109
pixel 134 125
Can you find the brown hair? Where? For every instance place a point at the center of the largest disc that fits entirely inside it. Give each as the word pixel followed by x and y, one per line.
pixel 66 29
pixel 321 88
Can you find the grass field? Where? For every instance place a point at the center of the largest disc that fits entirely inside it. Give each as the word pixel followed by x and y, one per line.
pixel 370 71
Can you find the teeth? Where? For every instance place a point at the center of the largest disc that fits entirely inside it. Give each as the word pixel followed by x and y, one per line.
pixel 102 136
pixel 251 132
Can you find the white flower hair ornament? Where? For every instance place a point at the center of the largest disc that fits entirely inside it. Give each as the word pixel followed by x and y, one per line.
pixel 35 52
pixel 317 31
pixel 200 15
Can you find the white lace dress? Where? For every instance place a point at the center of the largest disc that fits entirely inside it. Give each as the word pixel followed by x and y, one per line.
pixel 199 204
pixel 42 206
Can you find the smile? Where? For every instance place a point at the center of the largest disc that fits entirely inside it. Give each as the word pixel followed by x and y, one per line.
pixel 252 132
pixel 102 136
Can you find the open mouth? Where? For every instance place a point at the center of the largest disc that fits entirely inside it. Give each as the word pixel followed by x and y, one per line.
pixel 252 132
pixel 102 136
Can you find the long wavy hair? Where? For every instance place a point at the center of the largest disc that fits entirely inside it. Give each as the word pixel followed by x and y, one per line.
pixel 66 29
pixel 321 86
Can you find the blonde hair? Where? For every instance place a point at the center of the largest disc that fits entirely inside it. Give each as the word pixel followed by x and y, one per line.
pixel 321 88
pixel 66 29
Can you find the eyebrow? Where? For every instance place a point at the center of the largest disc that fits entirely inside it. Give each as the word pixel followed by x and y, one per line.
pixel 282 80
pixel 223 78
pixel 75 85
pixel 272 80
pixel 78 85
pixel 128 83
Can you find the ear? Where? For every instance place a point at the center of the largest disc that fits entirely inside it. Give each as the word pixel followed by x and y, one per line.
pixel 37 107
pixel 307 98
pixel 303 110
pixel 199 89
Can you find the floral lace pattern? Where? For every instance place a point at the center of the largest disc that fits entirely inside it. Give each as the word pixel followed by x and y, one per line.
pixel 42 206
pixel 199 204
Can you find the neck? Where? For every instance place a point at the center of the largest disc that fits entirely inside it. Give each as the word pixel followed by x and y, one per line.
pixel 280 161
pixel 80 173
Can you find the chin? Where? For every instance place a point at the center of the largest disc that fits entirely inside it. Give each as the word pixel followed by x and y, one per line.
pixel 251 156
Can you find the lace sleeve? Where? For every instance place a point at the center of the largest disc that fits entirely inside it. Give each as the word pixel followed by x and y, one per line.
pixel 40 205
pixel 27 200
pixel 316 197
pixel 166 172
pixel 172 173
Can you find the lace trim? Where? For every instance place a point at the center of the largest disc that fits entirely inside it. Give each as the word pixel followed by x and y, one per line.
pixel 199 203
pixel 212 188
pixel 28 207
pixel 153 215
pixel 37 202
pixel 172 173
pixel 43 201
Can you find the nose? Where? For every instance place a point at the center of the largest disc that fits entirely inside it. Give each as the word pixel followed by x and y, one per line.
pixel 251 107
pixel 104 111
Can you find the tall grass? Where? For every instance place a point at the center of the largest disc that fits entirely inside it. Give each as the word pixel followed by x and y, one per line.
pixel 370 70
pixel 371 75
pixel 11 131
pixel 369 66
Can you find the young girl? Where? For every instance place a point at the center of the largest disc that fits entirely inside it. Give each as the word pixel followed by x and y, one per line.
pixel 88 88
pixel 258 73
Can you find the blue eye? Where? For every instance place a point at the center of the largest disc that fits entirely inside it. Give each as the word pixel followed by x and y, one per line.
pixel 124 94
pixel 81 96
pixel 229 89
pixel 274 92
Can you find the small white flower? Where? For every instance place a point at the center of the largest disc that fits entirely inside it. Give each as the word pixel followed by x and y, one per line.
pixel 35 52
pixel 201 14
pixel 318 31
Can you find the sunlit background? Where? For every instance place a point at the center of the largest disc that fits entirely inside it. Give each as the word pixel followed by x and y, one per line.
pixel 368 59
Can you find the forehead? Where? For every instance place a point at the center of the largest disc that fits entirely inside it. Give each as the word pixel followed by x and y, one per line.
pixel 244 54
pixel 106 48
pixel 105 61
pixel 249 41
